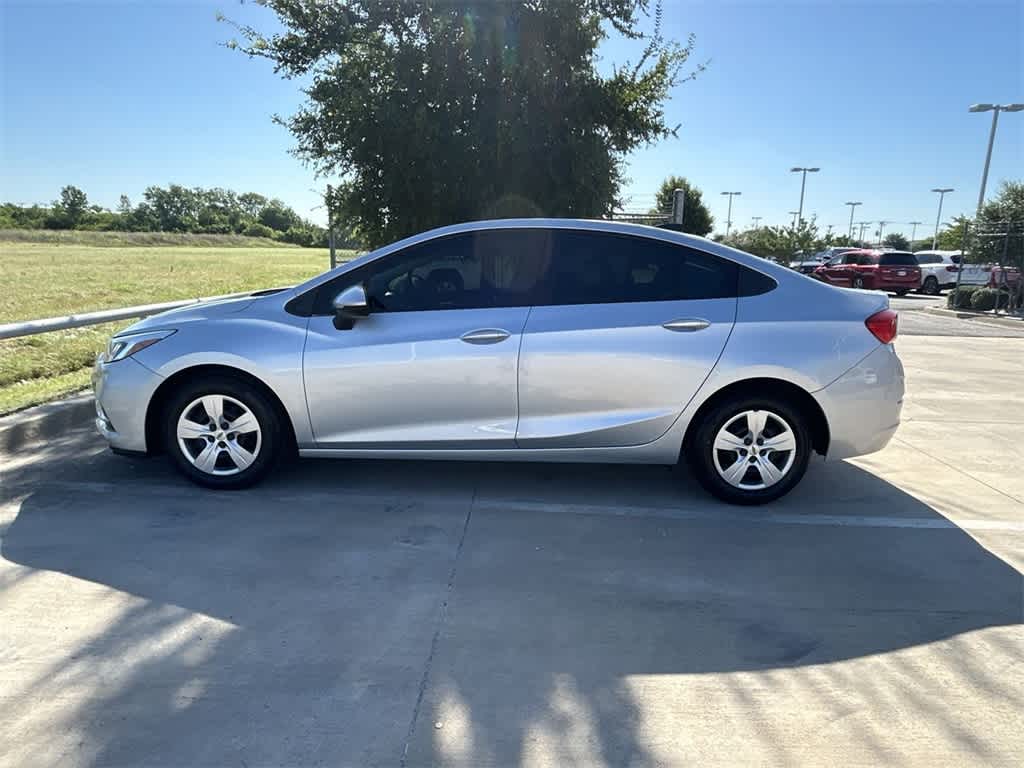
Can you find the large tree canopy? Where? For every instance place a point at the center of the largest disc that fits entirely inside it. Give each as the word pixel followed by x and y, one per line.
pixel 436 112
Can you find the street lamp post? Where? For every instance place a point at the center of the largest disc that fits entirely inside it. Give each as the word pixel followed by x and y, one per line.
pixel 794 214
pixel 881 230
pixel 995 109
pixel 942 194
pixel 862 225
pixel 757 221
pixel 853 206
pixel 728 218
pixel 913 233
pixel 803 184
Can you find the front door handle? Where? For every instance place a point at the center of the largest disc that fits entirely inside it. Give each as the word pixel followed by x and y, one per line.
pixel 485 336
pixel 686 325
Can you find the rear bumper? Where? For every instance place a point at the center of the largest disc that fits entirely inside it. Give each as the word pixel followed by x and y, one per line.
pixel 863 405
pixel 123 391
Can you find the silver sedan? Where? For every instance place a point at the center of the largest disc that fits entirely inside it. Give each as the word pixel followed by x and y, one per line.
pixel 518 340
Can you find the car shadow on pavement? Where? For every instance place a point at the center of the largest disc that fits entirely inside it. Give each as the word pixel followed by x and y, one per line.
pixel 522 612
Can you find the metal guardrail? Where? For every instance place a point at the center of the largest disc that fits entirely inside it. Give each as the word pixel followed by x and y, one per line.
pixel 48 324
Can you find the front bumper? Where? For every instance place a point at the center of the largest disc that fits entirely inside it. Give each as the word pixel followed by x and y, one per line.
pixel 863 405
pixel 123 391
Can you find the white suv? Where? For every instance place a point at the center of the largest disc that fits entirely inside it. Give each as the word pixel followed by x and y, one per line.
pixel 939 268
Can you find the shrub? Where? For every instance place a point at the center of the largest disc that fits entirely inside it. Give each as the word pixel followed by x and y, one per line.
pixel 961 297
pixel 986 298
pixel 258 230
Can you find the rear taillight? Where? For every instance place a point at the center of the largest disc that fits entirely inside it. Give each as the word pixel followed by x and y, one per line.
pixel 952 269
pixel 883 325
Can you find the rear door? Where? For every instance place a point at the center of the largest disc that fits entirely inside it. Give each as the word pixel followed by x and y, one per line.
pixel 628 331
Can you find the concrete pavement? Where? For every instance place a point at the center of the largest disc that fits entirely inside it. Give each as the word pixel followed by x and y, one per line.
pixel 387 613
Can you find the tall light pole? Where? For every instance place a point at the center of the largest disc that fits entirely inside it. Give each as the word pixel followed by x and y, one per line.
pixel 913 232
pixel 794 214
pixel 853 206
pixel 803 183
pixel 942 194
pixel 995 109
pixel 881 230
pixel 728 218
pixel 757 221
pixel 862 225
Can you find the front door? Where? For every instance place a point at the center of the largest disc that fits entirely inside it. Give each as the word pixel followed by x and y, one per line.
pixel 434 365
pixel 632 328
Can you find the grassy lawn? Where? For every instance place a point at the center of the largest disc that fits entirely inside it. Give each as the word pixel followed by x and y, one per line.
pixel 42 279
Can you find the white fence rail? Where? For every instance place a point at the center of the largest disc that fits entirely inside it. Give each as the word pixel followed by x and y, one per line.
pixel 48 324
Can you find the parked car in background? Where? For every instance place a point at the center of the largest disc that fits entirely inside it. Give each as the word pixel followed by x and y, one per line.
pixel 895 271
pixel 808 265
pixel 518 340
pixel 939 270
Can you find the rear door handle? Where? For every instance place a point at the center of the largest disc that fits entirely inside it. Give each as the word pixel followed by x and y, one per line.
pixel 686 325
pixel 485 336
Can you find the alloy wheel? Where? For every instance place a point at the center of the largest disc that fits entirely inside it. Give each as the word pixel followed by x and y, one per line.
pixel 219 435
pixel 754 450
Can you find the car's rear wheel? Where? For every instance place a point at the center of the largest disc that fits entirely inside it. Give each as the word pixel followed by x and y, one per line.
pixel 858 282
pixel 751 450
pixel 902 291
pixel 222 432
pixel 930 286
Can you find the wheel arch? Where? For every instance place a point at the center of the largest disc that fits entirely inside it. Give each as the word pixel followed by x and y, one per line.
pixel 799 397
pixel 158 402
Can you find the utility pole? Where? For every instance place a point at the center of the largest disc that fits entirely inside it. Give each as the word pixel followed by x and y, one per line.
pixel 853 206
pixel 757 221
pixel 728 217
pixel 942 194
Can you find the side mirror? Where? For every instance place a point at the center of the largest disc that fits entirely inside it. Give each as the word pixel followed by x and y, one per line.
pixel 349 306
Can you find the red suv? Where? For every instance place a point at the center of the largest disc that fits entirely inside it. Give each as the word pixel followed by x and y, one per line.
pixel 895 271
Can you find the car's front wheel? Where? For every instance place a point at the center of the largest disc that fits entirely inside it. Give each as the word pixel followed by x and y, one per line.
pixel 222 432
pixel 858 282
pixel 751 450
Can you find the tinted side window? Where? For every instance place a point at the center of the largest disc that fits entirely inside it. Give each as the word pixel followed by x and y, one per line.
pixel 898 259
pixel 602 268
pixel 495 268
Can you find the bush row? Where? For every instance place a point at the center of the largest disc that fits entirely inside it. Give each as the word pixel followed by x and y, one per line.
pixel 978 298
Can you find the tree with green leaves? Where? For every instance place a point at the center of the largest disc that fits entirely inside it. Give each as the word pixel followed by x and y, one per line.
pixel 68 212
pixel 697 219
pixel 442 111
pixel 1002 213
pixel 896 241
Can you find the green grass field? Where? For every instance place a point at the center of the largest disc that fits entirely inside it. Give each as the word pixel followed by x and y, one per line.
pixel 41 279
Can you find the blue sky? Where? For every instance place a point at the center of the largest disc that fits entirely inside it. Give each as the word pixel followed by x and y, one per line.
pixel 113 97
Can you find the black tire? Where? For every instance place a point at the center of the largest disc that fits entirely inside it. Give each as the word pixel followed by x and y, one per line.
pixel 902 291
pixel 858 282
pixel 272 434
pixel 701 452
pixel 930 286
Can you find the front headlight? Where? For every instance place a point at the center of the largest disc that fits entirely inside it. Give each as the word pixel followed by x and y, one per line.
pixel 121 347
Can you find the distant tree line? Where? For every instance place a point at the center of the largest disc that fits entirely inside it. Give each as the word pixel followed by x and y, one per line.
pixel 171 209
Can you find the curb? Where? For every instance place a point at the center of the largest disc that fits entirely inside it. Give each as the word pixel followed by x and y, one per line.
pixel 45 422
pixel 978 317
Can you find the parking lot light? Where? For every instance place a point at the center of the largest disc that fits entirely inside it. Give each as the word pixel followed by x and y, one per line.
pixel 853 206
pixel 942 194
pixel 728 218
pixel 995 109
pixel 803 184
